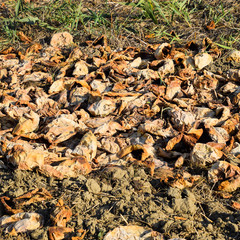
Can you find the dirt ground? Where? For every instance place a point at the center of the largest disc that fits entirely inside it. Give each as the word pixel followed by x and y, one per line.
pixel 129 195
pixel 103 200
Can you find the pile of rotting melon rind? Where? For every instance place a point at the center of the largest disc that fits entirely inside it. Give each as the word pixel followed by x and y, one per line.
pixel 67 110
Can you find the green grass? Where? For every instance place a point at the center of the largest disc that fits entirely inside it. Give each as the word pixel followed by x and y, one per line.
pixel 218 13
pixel 166 11
pixel 132 19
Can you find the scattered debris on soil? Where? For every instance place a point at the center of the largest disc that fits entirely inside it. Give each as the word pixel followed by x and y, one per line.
pixel 136 143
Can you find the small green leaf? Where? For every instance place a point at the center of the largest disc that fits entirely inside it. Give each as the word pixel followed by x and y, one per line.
pixel 29 20
pixel 223 46
pixel 18 7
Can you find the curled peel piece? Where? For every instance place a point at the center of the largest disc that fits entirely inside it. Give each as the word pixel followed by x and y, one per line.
pixel 21 222
pixel 131 233
pixel 227 173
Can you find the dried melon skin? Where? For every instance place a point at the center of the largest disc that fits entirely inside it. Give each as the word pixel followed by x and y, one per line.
pixel 22 222
pixel 118 136
pixel 132 233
